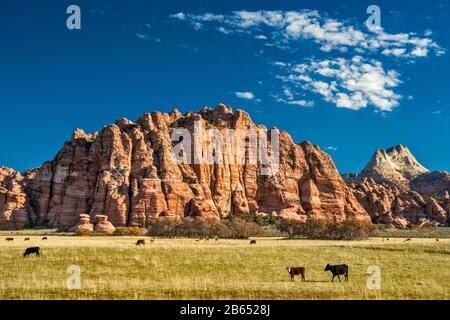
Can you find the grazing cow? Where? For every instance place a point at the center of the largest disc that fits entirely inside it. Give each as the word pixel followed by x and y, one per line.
pixel 295 271
pixel 31 250
pixel 437 239
pixel 44 238
pixel 337 270
pixel 26 239
pixel 387 239
pixel 140 242
pixel 409 239
pixel 9 239
pixel 252 241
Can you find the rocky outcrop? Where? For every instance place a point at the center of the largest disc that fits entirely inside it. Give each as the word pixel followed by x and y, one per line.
pixel 395 188
pixel 13 200
pixel 84 224
pixel 389 203
pixel 102 224
pixel 127 172
pixel 394 165
pixel 435 183
pixel 397 165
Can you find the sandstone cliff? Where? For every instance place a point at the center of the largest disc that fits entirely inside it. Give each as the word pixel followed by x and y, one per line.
pixel 13 200
pixel 127 172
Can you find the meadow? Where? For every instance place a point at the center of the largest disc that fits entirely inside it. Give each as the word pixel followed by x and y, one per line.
pixel 114 268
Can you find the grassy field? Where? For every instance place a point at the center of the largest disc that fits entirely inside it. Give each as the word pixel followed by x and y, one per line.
pixel 114 268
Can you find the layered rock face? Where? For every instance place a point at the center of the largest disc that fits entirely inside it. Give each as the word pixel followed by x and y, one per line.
pixel 392 204
pixel 127 172
pixel 432 183
pixel 13 200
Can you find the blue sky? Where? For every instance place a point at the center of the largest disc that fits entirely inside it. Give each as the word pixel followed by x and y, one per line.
pixel 308 67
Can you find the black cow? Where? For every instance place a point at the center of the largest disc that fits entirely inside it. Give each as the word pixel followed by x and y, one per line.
pixel 31 250
pixel 9 239
pixel 26 239
pixel 252 241
pixel 337 270
pixel 44 238
pixel 295 271
pixel 140 242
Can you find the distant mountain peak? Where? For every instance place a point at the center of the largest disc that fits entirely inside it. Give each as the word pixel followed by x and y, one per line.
pixel 395 164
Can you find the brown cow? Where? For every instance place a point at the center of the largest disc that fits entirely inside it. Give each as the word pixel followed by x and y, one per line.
pixel 44 238
pixel 26 239
pixel 140 242
pixel 295 271
pixel 252 241
pixel 9 239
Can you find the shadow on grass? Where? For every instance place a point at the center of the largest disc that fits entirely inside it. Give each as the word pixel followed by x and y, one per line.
pixel 312 281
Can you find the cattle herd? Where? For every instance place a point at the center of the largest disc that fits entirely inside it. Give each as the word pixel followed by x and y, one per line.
pixel 336 270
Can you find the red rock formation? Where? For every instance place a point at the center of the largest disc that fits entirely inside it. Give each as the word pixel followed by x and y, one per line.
pixel 13 201
pixel 127 172
pixel 84 224
pixel 102 225
pixel 398 205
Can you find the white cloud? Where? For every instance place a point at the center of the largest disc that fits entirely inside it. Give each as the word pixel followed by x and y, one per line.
pixel 280 64
pixel 330 34
pixel 348 83
pixel 420 52
pixel 247 95
pixel 354 83
pixel 331 148
pixel 179 16
pixel 224 30
pixel 289 97
pixel 141 36
pixel 394 52
pixel 194 49
pixel 288 93
pixel 302 103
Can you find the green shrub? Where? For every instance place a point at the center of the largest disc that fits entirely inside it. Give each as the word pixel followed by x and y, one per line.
pixel 83 233
pixel 202 228
pixel 128 231
pixel 260 220
pixel 321 229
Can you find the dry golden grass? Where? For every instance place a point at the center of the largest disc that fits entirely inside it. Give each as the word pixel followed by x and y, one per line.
pixel 114 268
